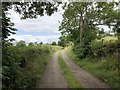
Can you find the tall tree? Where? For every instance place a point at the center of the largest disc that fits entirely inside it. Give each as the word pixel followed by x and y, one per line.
pixel 84 17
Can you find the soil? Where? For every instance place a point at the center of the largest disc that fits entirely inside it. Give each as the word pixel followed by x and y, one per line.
pixel 53 77
pixel 84 78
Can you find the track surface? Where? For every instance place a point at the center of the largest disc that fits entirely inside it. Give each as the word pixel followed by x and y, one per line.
pixel 84 78
pixel 53 77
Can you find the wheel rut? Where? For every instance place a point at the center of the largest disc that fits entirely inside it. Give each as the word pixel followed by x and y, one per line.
pixel 84 78
pixel 53 77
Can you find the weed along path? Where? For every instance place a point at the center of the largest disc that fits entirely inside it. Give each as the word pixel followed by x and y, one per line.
pixel 83 77
pixel 52 77
pixel 55 78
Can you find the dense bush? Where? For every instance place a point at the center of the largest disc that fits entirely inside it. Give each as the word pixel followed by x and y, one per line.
pixel 106 68
pixel 82 51
pixel 98 48
pixel 104 47
pixel 23 65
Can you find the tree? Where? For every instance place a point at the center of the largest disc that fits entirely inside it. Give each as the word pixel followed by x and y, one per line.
pixel 35 43
pixel 41 43
pixel 11 60
pixel 21 43
pixel 81 24
pixel 7 25
pixel 26 10
pixel 54 43
pixel 31 44
pixel 63 40
pixel 60 43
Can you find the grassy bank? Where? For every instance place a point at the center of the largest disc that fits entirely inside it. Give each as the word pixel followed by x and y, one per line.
pixel 105 69
pixel 72 83
pixel 23 65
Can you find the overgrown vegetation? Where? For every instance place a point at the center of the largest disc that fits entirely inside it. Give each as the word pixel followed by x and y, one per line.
pixel 96 48
pixel 83 26
pixel 79 28
pixel 105 68
pixel 23 65
pixel 72 83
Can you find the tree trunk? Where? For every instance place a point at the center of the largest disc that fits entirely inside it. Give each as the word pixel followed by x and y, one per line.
pixel 81 29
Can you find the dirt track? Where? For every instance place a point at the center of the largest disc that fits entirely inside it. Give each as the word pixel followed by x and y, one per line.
pixel 84 78
pixel 53 77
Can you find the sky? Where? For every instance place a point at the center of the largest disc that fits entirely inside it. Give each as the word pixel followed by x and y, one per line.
pixel 43 29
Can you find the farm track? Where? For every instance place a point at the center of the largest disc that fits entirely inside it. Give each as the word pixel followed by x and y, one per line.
pixel 84 78
pixel 53 77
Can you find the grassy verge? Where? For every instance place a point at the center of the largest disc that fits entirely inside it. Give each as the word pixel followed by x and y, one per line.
pixel 24 65
pixel 72 83
pixel 40 60
pixel 105 69
pixel 37 58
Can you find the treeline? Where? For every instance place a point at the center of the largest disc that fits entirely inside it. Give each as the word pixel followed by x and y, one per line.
pixel 23 43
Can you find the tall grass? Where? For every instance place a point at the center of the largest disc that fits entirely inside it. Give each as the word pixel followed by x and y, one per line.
pixel 23 65
pixel 72 82
pixel 105 69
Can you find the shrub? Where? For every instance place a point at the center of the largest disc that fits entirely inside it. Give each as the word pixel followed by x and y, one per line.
pixel 23 65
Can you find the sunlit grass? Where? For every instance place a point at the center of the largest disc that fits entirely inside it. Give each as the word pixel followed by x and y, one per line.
pixel 72 83
pixel 105 69
pixel 108 38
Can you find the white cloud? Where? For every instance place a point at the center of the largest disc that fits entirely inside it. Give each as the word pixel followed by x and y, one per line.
pixel 41 24
pixel 44 24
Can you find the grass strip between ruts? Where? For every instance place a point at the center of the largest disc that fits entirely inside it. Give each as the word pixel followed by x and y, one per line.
pixel 72 82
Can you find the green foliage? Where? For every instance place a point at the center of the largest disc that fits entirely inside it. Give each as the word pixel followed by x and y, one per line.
pixel 26 10
pixel 21 43
pixel 105 69
pixel 82 52
pixel 60 43
pixel 54 43
pixel 80 26
pixel 106 46
pixel 41 43
pixel 33 9
pixel 7 25
pixel 23 65
pixel 69 44
pixel 72 83
pixel 31 44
